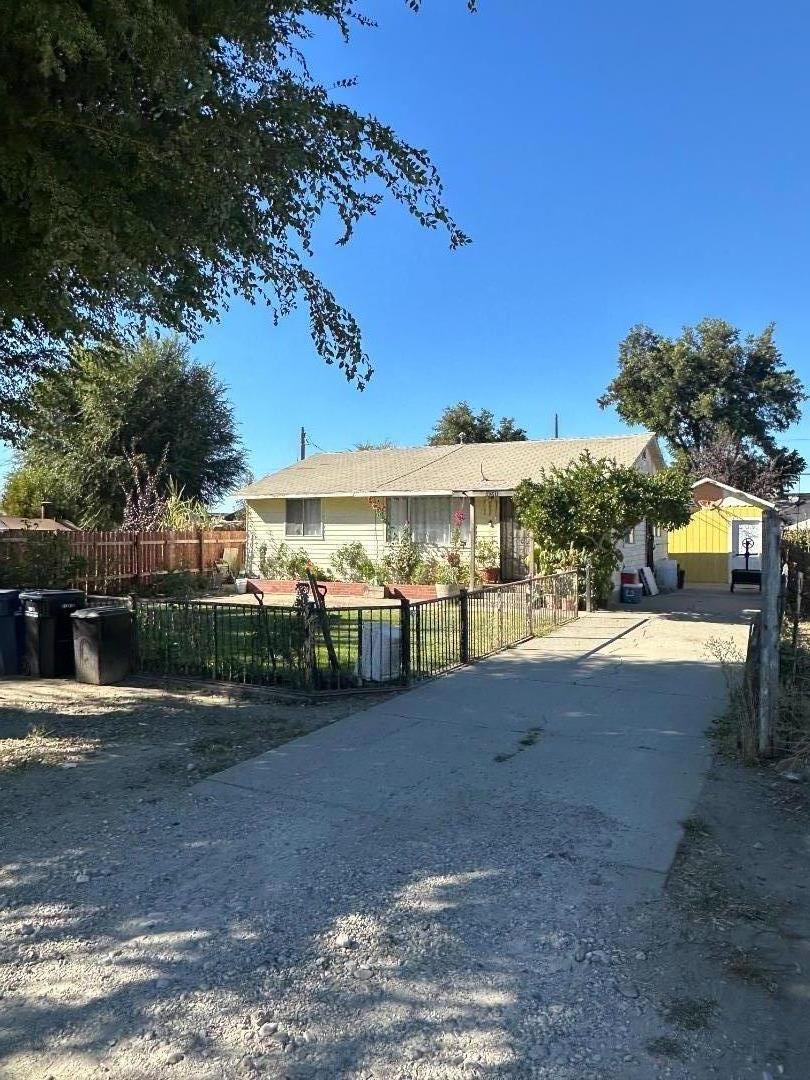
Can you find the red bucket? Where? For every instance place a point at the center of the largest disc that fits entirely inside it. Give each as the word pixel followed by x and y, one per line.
pixel 629 577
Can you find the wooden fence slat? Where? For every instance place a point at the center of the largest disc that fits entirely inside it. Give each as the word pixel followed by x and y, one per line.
pixel 120 558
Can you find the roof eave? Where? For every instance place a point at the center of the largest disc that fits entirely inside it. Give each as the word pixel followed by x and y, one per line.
pixel 373 494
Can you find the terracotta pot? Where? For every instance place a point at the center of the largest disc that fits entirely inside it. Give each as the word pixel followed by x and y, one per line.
pixel 490 575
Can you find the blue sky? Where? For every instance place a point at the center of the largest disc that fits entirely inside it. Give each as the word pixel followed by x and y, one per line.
pixel 614 163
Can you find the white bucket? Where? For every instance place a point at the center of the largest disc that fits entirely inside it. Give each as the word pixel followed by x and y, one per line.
pixel 380 655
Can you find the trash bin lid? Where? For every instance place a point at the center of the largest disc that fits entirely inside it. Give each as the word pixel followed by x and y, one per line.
pixel 105 611
pixel 51 594
pixel 51 603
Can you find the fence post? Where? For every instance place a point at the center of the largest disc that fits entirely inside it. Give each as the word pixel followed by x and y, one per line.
pixel 797 611
pixel 768 704
pixel 588 587
pixel 201 551
pixel 463 627
pixel 405 639
pixel 136 556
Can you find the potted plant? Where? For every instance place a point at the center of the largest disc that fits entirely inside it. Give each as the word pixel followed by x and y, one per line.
pixel 488 561
pixel 451 575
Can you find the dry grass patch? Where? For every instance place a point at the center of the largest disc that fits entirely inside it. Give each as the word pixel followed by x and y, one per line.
pixel 41 747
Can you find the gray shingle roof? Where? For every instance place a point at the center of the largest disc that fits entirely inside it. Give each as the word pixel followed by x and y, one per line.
pixel 430 470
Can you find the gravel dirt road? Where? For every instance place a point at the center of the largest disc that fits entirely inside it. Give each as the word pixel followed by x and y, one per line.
pixel 374 901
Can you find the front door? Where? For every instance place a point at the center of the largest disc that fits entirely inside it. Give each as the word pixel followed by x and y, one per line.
pixel 515 542
pixel 746 536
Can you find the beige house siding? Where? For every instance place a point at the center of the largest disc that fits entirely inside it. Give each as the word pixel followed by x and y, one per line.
pixel 345 521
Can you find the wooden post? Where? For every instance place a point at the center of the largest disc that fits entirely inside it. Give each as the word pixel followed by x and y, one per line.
pixel 797 611
pixel 405 639
pixel 137 557
pixel 463 627
pixel 532 566
pixel 769 636
pixel 588 587
pixel 201 551
pixel 472 542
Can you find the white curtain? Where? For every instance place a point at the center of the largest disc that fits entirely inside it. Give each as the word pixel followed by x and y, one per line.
pixel 430 517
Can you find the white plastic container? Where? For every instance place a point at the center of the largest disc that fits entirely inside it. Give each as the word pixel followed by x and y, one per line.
pixel 241 585
pixel 380 652
pixel 666 574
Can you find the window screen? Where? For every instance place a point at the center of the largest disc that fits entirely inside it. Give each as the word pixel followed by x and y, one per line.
pixel 303 517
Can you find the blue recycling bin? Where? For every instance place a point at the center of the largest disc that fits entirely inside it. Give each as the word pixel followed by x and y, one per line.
pixel 11 632
pixel 631 594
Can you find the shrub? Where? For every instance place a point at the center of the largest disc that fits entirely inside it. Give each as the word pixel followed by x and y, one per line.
pixel 402 557
pixel 40 560
pixel 280 562
pixel 353 563
pixel 487 554
pixel 578 514
pixel 176 584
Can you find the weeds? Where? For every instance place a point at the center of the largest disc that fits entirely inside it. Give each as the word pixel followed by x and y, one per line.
pixel 740 725
pixel 527 740
pixel 665 1046
pixel 695 828
pixel 744 965
pixel 691 1014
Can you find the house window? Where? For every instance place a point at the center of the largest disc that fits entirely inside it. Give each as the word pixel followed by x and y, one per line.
pixel 631 534
pixel 430 517
pixel 302 517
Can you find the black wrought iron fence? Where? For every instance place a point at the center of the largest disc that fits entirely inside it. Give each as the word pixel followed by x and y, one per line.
pixel 340 648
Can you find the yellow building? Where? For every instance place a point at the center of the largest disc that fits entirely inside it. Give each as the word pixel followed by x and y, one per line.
pixel 725 523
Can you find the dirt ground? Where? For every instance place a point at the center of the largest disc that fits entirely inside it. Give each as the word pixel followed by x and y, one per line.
pixel 730 945
pixel 142 739
pixel 718 976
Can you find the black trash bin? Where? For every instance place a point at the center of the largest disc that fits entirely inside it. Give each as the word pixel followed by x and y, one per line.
pixel 102 644
pixel 10 632
pixel 48 631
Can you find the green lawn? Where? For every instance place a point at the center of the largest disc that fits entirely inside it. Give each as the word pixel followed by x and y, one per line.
pixel 270 645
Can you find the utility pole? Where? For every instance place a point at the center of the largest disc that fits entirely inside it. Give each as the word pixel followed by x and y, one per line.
pixel 556 426
pixel 303 444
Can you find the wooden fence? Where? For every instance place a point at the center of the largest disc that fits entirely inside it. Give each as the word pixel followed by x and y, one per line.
pixel 111 561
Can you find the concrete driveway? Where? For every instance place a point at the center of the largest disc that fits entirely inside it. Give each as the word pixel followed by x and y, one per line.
pixel 447 885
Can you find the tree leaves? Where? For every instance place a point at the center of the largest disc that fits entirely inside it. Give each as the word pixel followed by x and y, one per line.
pixel 160 159
pixel 579 513
pixel 459 423
pixel 150 401
pixel 708 385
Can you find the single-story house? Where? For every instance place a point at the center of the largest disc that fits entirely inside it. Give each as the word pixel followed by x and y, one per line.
pixel 323 502
pixel 725 521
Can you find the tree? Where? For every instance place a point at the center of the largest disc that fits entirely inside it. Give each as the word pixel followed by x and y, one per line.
pixel 32 483
pixel 726 459
pixel 158 159
pixel 458 423
pixel 708 384
pixel 386 444
pixel 150 402
pixel 579 514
